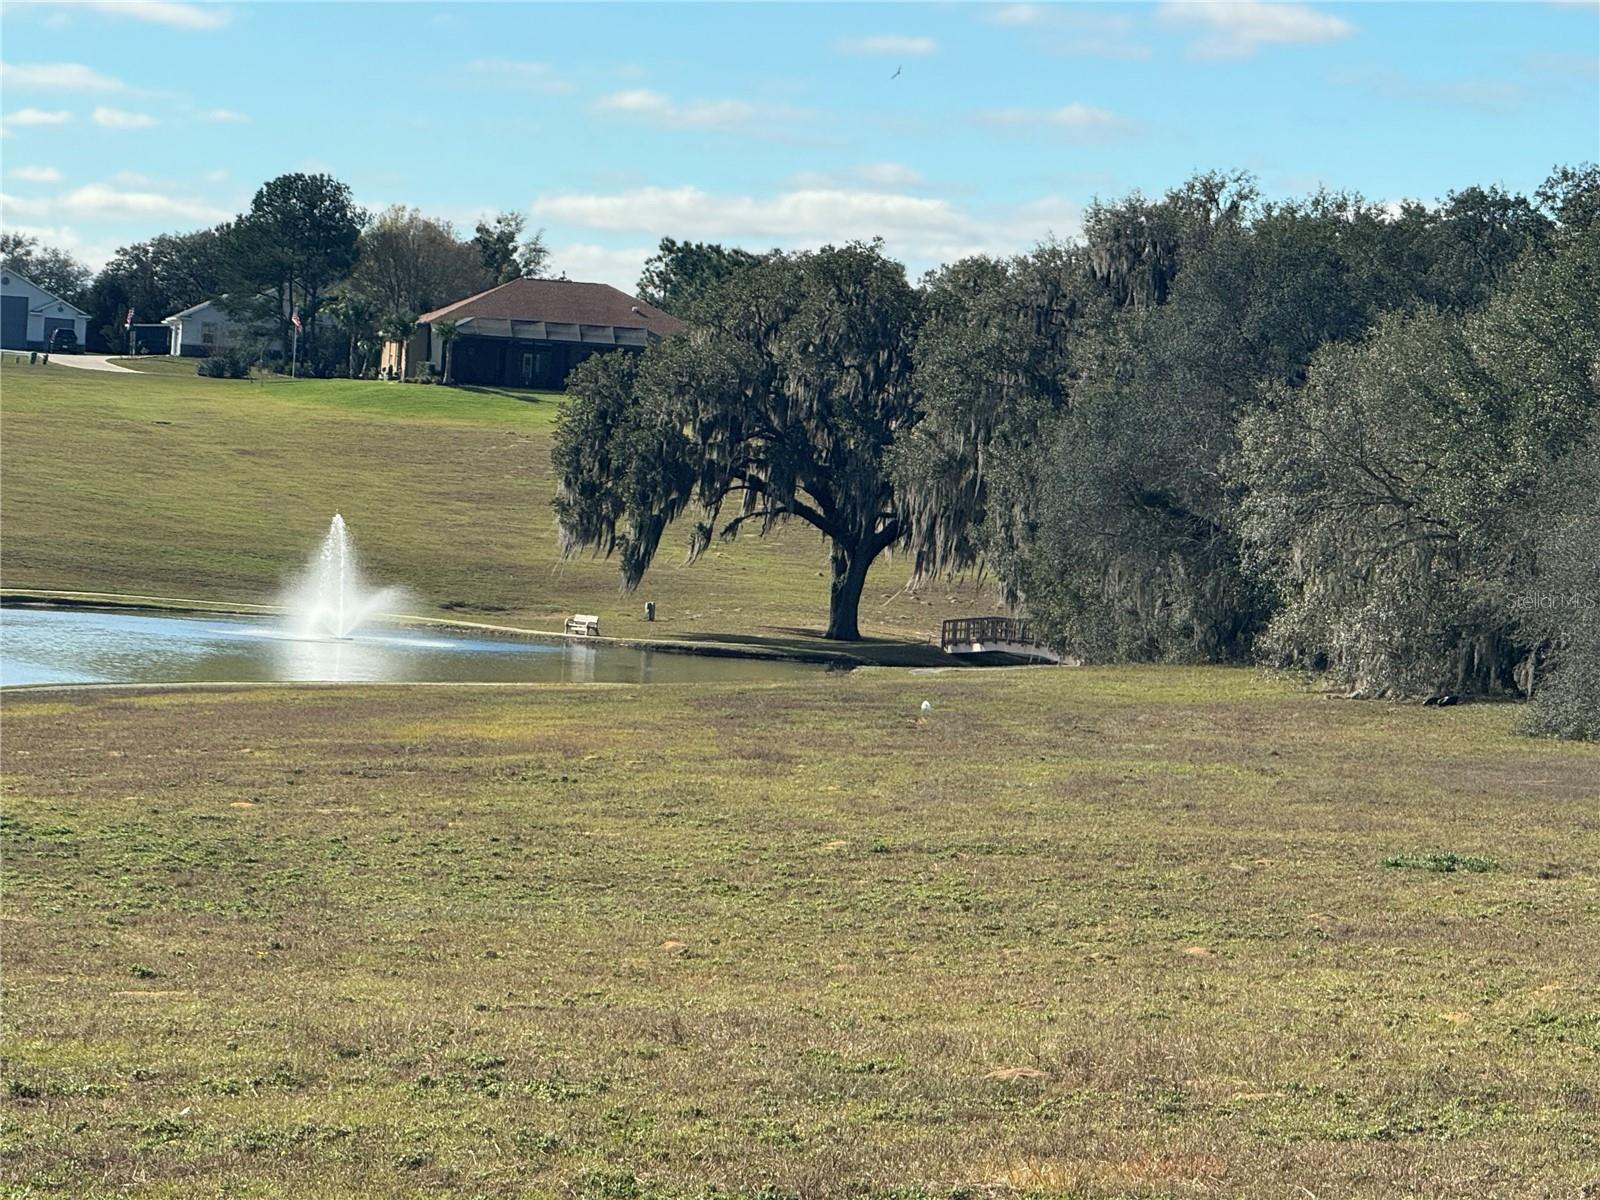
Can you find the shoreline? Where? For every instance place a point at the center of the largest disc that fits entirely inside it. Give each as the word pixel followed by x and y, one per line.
pixel 844 660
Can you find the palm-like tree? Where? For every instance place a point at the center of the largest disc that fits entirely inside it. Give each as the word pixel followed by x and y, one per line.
pixel 447 338
pixel 397 327
pixel 354 315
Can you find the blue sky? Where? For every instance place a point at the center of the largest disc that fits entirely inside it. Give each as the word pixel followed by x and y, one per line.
pixel 613 125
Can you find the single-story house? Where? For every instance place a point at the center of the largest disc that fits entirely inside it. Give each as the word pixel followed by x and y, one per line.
pixel 147 338
pixel 529 333
pixel 200 329
pixel 29 314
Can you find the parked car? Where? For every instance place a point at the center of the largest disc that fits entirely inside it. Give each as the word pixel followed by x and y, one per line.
pixel 63 341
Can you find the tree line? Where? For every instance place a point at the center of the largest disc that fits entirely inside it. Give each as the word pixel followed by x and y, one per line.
pixel 304 245
pixel 1324 434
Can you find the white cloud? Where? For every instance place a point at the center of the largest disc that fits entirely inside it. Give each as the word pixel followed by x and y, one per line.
pixel 190 17
pixel 68 77
pixel 889 174
pixel 1078 30
pixel 12 207
pixel 1056 215
pixel 805 213
pixel 116 118
pixel 35 174
pixel 590 263
pixel 636 100
pixel 519 75
pixel 1015 14
pixel 662 110
pixel 216 176
pixel 923 231
pixel 1075 122
pixel 1238 28
pixel 96 200
pixel 890 45
pixel 103 202
pixel 224 116
pixel 35 116
pixel 62 237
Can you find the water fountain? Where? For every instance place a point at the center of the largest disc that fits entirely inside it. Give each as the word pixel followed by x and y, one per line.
pixel 324 636
pixel 331 599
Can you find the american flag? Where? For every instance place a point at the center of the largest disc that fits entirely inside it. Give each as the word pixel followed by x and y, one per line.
pixel 294 319
pixel 128 321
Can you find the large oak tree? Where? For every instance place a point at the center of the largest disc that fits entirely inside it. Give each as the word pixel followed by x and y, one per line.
pixel 777 406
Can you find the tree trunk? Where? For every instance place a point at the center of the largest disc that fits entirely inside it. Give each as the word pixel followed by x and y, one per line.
pixel 844 598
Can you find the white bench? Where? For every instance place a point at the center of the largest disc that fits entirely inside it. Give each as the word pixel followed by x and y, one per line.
pixel 583 625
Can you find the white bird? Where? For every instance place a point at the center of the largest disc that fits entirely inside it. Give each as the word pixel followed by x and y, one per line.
pixel 926 707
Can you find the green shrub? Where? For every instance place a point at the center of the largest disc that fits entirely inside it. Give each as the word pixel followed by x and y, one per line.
pixel 229 362
pixel 1443 862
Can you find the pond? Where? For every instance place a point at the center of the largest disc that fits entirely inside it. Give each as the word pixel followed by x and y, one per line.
pixel 44 646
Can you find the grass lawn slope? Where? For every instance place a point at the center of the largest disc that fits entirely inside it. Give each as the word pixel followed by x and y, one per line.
pixel 173 485
pixel 1135 933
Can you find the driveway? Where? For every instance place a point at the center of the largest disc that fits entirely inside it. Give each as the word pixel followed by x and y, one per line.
pixel 89 362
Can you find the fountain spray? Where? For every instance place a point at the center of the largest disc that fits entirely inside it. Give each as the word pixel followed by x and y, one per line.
pixel 331 599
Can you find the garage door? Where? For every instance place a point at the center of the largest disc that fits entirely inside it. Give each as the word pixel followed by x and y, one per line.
pixel 51 324
pixel 14 322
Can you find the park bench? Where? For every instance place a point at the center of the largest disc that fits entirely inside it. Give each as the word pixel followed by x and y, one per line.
pixel 583 625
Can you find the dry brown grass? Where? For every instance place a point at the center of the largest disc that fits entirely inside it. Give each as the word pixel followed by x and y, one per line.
pixel 790 941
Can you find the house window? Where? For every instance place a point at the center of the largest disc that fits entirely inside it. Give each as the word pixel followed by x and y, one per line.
pixel 208 333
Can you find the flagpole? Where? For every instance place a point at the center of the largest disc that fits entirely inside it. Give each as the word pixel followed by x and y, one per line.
pixel 294 353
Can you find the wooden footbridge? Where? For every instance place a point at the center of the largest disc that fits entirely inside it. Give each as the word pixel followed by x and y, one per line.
pixel 999 636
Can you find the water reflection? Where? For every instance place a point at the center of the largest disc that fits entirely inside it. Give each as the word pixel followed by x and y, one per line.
pixel 580 664
pixel 341 660
pixel 88 646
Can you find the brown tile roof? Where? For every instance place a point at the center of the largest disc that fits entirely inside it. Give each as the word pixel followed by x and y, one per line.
pixel 559 300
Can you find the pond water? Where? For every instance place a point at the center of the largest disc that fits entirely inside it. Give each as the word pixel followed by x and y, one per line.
pixel 99 646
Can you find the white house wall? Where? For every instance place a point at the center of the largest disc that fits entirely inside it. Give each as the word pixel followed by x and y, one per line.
pixel 41 304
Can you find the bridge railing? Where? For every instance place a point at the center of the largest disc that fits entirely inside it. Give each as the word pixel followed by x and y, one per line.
pixel 963 631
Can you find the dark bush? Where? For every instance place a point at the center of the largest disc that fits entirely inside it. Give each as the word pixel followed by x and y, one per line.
pixel 231 362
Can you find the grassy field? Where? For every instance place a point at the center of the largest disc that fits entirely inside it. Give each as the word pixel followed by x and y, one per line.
pixel 160 364
pixel 172 485
pixel 1137 933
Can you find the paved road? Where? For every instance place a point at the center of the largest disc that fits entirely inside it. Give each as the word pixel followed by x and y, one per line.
pixel 89 362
